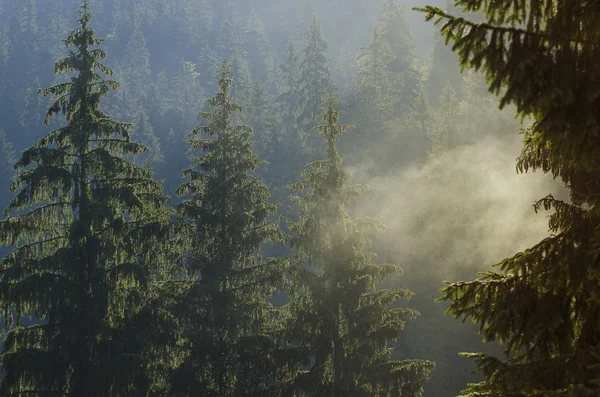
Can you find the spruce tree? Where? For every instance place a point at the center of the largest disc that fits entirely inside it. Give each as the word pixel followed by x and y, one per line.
pixel 185 90
pixel 144 133
pixel 304 15
pixel 86 225
pixel 241 87
pixel 289 96
pixel 232 336
pixel 136 66
pixel 256 46
pixel 263 121
pixel 314 79
pixel 389 63
pixel 287 155
pixel 396 32
pixel 389 83
pixel 442 128
pixel 340 317
pixel 543 303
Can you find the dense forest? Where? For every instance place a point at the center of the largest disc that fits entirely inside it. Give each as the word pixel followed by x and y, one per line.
pixel 266 198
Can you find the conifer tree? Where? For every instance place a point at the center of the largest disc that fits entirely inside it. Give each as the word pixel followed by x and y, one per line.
pixel 27 30
pixel 396 33
pixel 144 133
pixel 442 127
pixel 542 303
pixel 340 317
pixel 314 80
pixel 289 96
pixel 263 121
pixel 304 15
pixel 241 87
pixel 407 137
pixel 388 82
pixel 228 42
pixel 256 46
pixel 55 29
pixel 86 225
pixel 136 66
pixel 185 90
pixel 181 112
pixel 287 154
pixel 233 336
pixel 389 64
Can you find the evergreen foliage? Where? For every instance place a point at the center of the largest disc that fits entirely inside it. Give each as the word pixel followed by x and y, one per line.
pixel 444 69
pixel 232 335
pixel 542 303
pixel 136 66
pixel 440 131
pixel 286 155
pixel 389 82
pixel 86 225
pixel 340 317
pixel 290 74
pixel 165 53
pixel 314 81
pixel 144 133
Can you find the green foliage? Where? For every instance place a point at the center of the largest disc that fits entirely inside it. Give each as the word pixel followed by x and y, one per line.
pixel 443 67
pixel 341 319
pixel 232 337
pixel 444 123
pixel 144 133
pixel 389 82
pixel 136 66
pixel 256 46
pixel 542 303
pixel 86 226
pixel 185 91
pixel 289 96
pixel 313 83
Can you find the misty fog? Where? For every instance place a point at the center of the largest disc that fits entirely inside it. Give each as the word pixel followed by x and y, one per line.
pixel 432 144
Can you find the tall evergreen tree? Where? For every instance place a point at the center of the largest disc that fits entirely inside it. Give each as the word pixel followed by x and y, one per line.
pixel 444 68
pixel 314 80
pixel 136 66
pixel 290 74
pixel 543 303
pixel 340 316
pixel 256 46
pixel 287 155
pixel 241 87
pixel 389 84
pixel 56 28
pixel 443 125
pixel 144 133
pixel 233 336
pixel 185 90
pixel 86 225
pixel 263 120
pixel 402 67
pixel 304 15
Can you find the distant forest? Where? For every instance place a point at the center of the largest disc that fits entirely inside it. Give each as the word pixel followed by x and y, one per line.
pixel 264 198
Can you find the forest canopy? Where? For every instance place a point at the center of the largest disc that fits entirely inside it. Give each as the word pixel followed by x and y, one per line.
pixel 259 198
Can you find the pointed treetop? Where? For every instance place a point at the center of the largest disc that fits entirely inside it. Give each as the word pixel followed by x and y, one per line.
pixel 330 130
pixel 84 13
pixel 224 75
